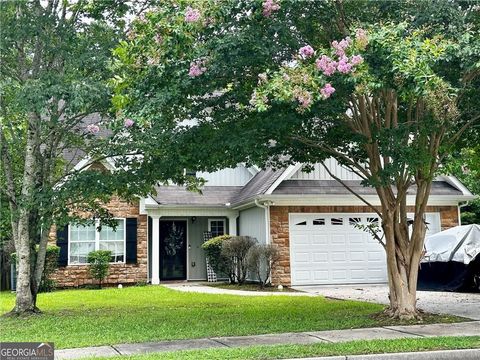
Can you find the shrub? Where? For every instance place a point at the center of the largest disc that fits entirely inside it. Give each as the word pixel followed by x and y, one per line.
pixel 261 259
pixel 236 249
pixel 51 264
pixel 213 250
pixel 99 264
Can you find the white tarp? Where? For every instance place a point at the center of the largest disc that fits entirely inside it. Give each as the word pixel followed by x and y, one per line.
pixel 461 244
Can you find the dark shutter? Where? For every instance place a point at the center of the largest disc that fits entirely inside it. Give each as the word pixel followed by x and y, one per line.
pixel 131 241
pixel 62 243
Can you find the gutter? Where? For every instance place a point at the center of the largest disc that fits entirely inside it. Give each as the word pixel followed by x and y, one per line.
pixel 460 206
pixel 266 205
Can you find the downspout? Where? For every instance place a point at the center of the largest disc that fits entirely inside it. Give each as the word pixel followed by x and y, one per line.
pixel 267 218
pixel 460 212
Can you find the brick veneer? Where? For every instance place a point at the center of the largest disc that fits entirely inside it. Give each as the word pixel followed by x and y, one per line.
pixel 78 275
pixel 279 230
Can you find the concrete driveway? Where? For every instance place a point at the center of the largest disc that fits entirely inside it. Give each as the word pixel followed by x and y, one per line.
pixel 460 304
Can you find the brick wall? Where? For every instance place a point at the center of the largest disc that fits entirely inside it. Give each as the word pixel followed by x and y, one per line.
pixel 78 275
pixel 279 230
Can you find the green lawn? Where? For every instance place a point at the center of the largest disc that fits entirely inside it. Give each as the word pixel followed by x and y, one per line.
pixel 76 318
pixel 320 349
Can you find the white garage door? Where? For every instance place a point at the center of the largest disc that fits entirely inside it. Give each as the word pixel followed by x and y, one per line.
pixel 329 249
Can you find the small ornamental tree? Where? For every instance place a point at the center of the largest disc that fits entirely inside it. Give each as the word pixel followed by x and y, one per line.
pixel 261 259
pixel 236 249
pixel 99 264
pixel 276 82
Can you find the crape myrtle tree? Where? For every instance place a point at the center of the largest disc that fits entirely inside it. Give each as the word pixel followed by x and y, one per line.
pixel 55 99
pixel 277 82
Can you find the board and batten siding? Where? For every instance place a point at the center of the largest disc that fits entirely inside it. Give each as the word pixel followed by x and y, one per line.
pixel 319 172
pixel 238 176
pixel 252 223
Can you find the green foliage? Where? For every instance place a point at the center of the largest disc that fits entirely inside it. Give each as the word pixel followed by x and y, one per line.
pixel 261 258
pixel 236 249
pixel 51 263
pixel 99 264
pixel 213 250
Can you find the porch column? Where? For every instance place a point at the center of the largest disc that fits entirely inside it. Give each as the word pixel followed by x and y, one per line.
pixel 155 249
pixel 232 225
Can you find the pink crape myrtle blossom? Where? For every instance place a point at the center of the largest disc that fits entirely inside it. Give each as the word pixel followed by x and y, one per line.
pixel 128 123
pixel 326 65
pixel 306 51
pixel 196 69
pixel 361 38
pixel 344 66
pixel 303 97
pixel 356 59
pixel 269 7
pixel 327 90
pixel 192 15
pixel 341 46
pixel 93 129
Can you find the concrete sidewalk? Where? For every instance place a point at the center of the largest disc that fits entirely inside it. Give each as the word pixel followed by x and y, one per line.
pixel 471 328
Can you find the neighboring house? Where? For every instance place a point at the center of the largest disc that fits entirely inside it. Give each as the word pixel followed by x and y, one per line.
pixel 308 215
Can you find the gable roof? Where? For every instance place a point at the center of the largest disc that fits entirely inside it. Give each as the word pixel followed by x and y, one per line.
pixel 258 185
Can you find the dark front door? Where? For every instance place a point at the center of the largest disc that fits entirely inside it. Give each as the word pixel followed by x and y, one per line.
pixel 173 250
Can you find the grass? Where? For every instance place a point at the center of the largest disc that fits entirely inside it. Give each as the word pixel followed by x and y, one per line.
pixel 78 318
pixel 320 349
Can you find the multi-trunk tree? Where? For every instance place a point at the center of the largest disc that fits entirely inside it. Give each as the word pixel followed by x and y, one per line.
pixel 276 82
pixel 55 102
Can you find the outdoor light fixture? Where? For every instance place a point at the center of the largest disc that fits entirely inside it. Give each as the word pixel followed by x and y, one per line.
pixel 194 218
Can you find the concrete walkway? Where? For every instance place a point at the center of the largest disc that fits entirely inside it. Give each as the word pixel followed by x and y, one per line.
pixel 205 289
pixel 471 328
pixel 437 302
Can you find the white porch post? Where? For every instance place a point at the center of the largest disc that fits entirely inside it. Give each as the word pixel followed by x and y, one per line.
pixel 232 225
pixel 155 249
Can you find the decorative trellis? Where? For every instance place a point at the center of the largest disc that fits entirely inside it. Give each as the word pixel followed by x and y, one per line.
pixel 211 275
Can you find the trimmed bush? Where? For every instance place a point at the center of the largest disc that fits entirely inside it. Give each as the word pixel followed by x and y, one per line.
pixel 213 251
pixel 99 264
pixel 51 264
pixel 261 259
pixel 236 249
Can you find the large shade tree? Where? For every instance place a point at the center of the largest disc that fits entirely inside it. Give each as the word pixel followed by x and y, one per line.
pixel 55 101
pixel 276 82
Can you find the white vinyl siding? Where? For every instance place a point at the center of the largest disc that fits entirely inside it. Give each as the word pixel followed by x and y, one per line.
pixel 319 172
pixel 84 239
pixel 252 223
pixel 238 176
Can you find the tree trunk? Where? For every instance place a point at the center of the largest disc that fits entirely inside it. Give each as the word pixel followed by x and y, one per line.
pixel 403 259
pixel 24 299
pixel 24 302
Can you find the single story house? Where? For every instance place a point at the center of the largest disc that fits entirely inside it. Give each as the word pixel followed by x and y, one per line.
pixel 308 215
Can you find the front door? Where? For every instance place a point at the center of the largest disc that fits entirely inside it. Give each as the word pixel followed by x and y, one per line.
pixel 173 250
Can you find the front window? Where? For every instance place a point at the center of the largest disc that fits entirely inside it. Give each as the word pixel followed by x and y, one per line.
pixel 84 239
pixel 82 242
pixel 216 227
pixel 114 241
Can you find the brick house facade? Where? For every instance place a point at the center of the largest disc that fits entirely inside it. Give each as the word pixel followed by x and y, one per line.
pixel 123 273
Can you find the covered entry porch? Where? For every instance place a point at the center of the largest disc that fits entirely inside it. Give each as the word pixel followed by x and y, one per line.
pixel 175 237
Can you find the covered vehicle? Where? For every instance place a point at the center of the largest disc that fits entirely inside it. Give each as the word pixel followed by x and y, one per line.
pixel 452 260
